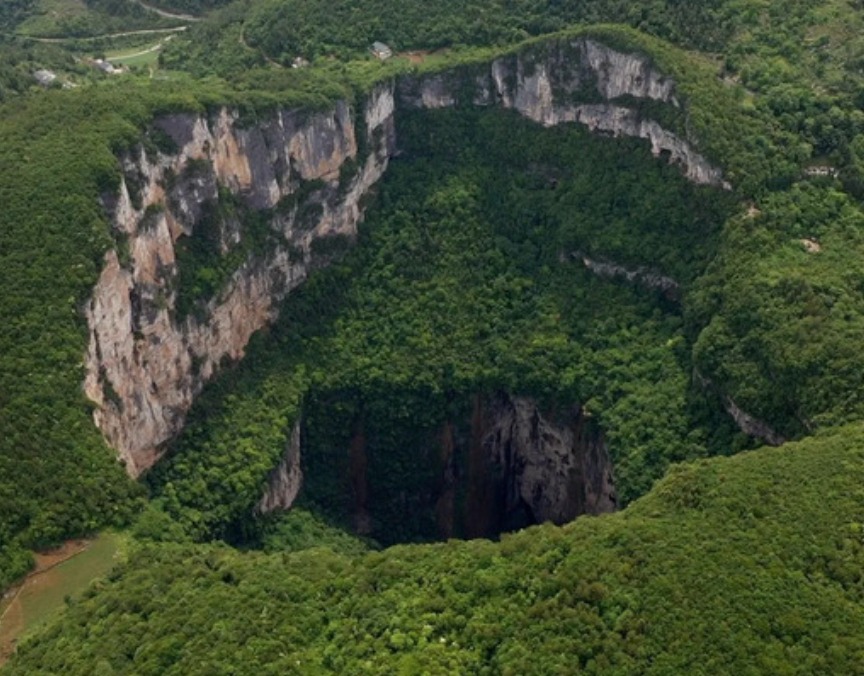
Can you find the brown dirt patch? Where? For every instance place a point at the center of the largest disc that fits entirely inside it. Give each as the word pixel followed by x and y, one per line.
pixel 50 558
pixel 415 57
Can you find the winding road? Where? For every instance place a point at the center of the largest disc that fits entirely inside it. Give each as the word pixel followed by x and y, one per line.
pixel 168 15
pixel 149 31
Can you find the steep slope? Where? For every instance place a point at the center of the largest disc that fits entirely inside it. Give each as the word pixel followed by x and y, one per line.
pixel 148 358
pixel 216 221
pixel 400 333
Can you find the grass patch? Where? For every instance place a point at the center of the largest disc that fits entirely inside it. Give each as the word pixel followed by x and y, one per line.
pixel 51 14
pixel 147 55
pixel 42 595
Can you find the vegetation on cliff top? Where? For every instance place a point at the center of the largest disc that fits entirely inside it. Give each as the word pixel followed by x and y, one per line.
pixel 57 477
pixel 53 459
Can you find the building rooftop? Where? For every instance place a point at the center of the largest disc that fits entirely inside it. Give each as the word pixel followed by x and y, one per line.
pixel 381 50
pixel 44 77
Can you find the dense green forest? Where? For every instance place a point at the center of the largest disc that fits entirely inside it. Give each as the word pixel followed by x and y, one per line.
pixel 467 278
pixel 728 566
pixel 455 290
pixel 192 7
pixel 802 58
pixel 21 59
pixel 58 478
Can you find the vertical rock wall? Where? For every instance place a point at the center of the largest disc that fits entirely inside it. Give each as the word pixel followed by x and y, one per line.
pixel 145 363
pixel 579 81
pixel 474 466
pixel 534 467
pixel 285 481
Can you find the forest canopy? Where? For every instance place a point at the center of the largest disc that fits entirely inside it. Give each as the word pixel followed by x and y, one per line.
pixel 471 275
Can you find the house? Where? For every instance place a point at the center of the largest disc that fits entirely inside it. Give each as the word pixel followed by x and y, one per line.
pixel 381 51
pixel 821 170
pixel 44 77
pixel 106 67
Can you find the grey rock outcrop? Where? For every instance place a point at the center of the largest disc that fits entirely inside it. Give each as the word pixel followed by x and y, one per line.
pixel 620 74
pixel 554 470
pixel 747 423
pixel 752 425
pixel 579 81
pixel 639 275
pixel 284 482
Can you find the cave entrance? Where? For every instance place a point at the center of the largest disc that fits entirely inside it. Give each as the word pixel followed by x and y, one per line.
pixel 421 465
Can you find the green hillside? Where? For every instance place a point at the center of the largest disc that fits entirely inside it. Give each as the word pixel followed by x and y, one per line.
pixel 58 479
pixel 468 278
pixel 749 564
pixel 77 18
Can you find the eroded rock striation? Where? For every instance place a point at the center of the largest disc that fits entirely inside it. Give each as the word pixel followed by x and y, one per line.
pixel 545 467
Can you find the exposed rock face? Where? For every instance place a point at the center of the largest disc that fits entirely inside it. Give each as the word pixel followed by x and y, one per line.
pixel 576 81
pixel 489 463
pixel 144 364
pixel 639 275
pixel 285 481
pixel 752 426
pixel 619 74
pixel 746 422
pixel 546 470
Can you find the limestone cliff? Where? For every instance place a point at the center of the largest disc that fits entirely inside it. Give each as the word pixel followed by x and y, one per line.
pixel 284 482
pixel 145 362
pixel 539 467
pixel 148 358
pixel 579 81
